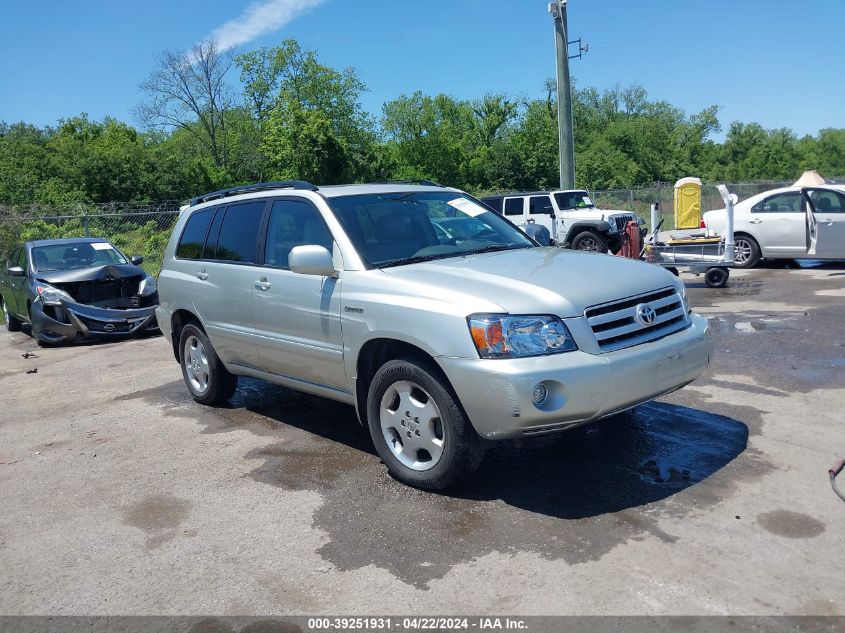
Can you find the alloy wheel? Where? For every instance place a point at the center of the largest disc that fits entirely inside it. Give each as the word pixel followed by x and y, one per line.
pixel 196 364
pixel 589 244
pixel 742 251
pixel 412 426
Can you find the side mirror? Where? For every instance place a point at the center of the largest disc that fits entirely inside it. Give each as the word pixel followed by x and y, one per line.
pixel 16 271
pixel 311 260
pixel 137 260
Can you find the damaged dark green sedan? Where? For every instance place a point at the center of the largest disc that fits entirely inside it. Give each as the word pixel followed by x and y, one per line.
pixel 76 289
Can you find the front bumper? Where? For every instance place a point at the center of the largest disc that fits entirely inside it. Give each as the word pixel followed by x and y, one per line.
pixel 76 321
pixel 496 393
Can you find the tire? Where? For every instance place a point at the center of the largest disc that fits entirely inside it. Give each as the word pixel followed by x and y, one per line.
pixel 13 324
pixel 716 277
pixel 418 428
pixel 673 270
pixel 746 251
pixel 590 241
pixel 205 376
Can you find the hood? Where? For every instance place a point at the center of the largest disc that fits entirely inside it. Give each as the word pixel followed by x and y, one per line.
pixel 93 273
pixel 539 280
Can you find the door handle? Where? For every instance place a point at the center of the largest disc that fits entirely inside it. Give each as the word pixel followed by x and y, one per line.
pixel 262 284
pixel 755 221
pixel 202 275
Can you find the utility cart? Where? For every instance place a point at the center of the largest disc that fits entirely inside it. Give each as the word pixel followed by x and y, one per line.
pixel 712 257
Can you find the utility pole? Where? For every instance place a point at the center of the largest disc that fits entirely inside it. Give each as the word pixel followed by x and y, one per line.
pixel 566 139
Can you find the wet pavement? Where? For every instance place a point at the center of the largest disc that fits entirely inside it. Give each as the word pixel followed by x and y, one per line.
pixel 124 496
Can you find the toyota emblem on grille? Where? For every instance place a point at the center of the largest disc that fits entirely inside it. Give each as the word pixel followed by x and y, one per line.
pixel 645 314
pixel 109 327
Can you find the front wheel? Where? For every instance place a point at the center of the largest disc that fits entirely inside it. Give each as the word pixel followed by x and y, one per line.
pixel 590 241
pixel 13 324
pixel 746 252
pixel 418 428
pixel 207 379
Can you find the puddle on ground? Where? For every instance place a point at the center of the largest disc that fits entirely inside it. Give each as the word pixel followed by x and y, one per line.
pixel 160 517
pixel 790 524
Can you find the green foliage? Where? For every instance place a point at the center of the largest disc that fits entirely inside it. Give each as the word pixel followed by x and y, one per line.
pixel 147 240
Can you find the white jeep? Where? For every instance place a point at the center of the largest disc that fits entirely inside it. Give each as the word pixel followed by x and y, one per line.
pixel 573 221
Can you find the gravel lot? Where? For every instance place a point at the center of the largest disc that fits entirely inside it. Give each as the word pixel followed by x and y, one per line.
pixel 120 495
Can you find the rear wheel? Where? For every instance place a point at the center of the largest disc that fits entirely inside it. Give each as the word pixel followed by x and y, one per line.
pixel 205 376
pixel 590 241
pixel 746 252
pixel 13 324
pixel 418 428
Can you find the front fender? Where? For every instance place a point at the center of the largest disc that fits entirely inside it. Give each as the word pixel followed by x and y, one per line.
pixel 602 226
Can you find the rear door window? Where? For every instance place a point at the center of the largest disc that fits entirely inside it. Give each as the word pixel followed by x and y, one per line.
pixel 193 236
pixel 540 205
pixel 513 206
pixel 238 239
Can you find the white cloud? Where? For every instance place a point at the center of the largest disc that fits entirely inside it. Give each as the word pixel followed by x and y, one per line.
pixel 260 18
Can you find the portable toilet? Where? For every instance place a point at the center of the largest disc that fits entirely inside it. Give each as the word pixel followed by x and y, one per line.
pixel 688 203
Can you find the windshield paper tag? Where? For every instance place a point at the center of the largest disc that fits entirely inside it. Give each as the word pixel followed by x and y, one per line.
pixel 467 206
pixel 101 246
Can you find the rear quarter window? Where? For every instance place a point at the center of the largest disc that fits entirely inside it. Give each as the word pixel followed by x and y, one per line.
pixel 193 236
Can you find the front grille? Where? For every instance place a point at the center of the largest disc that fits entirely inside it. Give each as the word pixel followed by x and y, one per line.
pixel 622 220
pixel 107 327
pixel 615 325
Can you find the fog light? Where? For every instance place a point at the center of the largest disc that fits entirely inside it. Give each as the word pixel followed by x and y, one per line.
pixel 539 394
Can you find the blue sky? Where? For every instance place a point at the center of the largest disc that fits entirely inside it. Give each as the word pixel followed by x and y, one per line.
pixel 775 62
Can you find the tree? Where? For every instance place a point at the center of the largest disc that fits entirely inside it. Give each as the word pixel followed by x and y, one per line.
pixel 188 91
pixel 314 127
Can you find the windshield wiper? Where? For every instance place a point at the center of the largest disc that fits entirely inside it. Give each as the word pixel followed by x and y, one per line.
pixel 492 248
pixel 416 259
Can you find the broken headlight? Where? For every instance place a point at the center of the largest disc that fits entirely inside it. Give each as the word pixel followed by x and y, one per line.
pixel 506 336
pixel 50 296
pixel 147 286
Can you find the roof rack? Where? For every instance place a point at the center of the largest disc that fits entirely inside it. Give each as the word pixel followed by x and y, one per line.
pixel 259 186
pixel 410 181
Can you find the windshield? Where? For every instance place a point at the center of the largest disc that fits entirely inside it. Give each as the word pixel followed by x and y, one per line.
pixel 574 200
pixel 391 229
pixel 73 256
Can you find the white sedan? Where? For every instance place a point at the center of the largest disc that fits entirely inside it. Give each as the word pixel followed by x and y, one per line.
pixel 789 223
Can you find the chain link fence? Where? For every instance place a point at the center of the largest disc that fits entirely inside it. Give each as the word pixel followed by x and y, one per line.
pixel 136 229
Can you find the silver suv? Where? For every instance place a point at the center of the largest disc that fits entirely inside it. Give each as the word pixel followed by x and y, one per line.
pixel 437 319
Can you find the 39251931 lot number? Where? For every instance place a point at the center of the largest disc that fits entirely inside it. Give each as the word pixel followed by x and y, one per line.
pixel 386 624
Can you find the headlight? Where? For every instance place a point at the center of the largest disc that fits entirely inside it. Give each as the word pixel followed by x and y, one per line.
pixel 52 296
pixel 682 290
pixel 505 336
pixel 147 286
